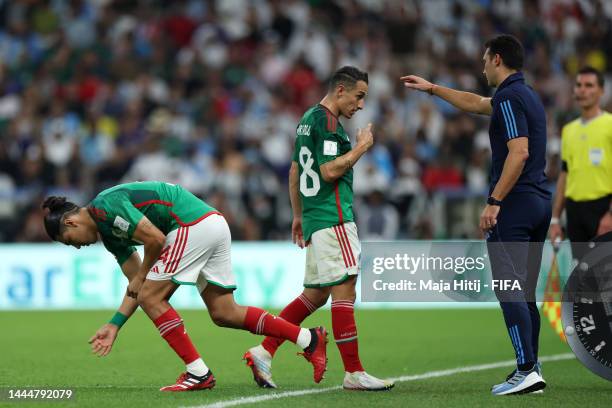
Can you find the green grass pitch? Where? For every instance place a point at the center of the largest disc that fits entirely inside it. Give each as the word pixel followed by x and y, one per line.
pixel 49 349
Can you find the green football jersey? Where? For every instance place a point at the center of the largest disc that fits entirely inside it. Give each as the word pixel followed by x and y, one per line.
pixel 320 139
pixel 118 210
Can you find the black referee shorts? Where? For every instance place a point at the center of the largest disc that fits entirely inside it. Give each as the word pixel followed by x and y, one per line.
pixel 582 222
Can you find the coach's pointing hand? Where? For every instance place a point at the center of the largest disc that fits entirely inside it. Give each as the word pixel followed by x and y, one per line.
pixel 488 218
pixel 418 83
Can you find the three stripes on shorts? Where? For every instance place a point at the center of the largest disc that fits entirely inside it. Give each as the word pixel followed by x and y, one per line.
pixel 345 245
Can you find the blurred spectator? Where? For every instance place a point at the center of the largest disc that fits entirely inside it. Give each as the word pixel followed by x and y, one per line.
pixel 378 220
pixel 476 173
pixel 208 94
pixel 443 174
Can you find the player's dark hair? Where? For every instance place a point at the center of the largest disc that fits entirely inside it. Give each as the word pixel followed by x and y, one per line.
pixel 58 208
pixel 347 76
pixel 509 49
pixel 590 70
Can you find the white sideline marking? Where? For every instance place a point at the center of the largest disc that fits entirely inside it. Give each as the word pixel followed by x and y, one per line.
pixel 430 374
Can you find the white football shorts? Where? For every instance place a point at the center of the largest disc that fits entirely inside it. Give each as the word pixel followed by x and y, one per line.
pixel 332 256
pixel 198 254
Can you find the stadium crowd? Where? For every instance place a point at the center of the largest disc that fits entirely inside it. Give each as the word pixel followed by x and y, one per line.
pixel 208 94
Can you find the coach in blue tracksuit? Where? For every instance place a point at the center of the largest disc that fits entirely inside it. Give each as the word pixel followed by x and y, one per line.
pixel 518 210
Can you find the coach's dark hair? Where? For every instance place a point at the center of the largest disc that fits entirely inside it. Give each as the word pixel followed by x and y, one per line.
pixel 509 49
pixel 590 70
pixel 347 76
pixel 58 208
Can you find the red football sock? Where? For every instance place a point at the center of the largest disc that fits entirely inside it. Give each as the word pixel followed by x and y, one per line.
pixel 345 333
pixel 170 326
pixel 295 312
pixel 258 321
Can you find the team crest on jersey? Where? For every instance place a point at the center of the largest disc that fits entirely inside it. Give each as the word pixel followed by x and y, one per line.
pixel 120 227
pixel 303 130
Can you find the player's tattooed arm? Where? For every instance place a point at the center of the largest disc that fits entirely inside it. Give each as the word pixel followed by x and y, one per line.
pixel 153 240
pixel 466 101
pixel 336 168
pixel 131 265
pixel 130 269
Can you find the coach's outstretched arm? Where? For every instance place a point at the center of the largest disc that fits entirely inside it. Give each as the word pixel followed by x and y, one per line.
pixel 336 168
pixel 102 341
pixel 466 101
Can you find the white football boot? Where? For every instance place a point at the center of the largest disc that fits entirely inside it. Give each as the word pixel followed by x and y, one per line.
pixel 362 381
pixel 260 362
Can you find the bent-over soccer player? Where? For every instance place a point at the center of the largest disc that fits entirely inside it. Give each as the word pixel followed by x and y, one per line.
pixel 186 241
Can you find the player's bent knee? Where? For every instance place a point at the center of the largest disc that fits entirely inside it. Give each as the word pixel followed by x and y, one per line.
pixel 220 320
pixel 222 308
pixel 216 317
pixel 148 297
pixel 144 300
pixel 221 317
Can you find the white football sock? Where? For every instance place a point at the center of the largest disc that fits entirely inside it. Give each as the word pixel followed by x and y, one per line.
pixel 197 367
pixel 304 338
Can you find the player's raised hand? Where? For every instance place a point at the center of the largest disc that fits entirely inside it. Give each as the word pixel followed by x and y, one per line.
pixel 365 136
pixel 102 341
pixel 296 232
pixel 418 83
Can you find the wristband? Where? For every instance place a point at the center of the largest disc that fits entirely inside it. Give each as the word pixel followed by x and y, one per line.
pixel 554 221
pixel 493 201
pixel 118 319
pixel 431 90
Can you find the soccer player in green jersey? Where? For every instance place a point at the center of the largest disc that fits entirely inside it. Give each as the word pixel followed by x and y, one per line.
pixel 321 194
pixel 186 241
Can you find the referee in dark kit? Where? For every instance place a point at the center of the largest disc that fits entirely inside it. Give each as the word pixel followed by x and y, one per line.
pixel 584 186
pixel 518 210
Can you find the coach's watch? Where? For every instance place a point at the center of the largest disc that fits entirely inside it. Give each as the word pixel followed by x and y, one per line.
pixel 493 201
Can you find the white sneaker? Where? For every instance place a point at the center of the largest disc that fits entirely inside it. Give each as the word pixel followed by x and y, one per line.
pixel 260 362
pixel 360 380
pixel 522 382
